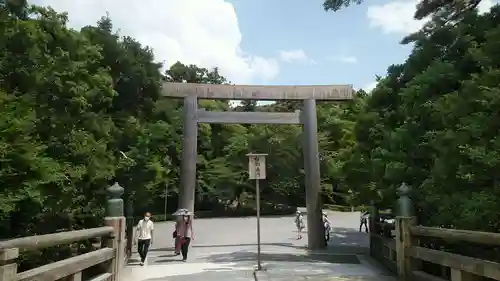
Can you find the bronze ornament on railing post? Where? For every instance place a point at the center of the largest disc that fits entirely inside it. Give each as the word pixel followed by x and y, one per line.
pixel 405 208
pixel 404 240
pixel 115 202
pixel 115 218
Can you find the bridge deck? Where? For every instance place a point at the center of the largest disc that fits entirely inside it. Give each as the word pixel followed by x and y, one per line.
pixel 225 249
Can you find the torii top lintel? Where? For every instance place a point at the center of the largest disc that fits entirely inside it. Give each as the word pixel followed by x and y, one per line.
pixel 257 92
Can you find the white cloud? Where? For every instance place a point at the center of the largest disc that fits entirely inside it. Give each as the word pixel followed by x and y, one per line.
pixel 486 5
pixel 297 55
pixel 370 86
pixel 202 32
pixel 345 59
pixel 397 16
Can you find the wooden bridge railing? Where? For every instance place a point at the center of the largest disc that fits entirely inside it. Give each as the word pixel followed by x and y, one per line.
pixel 404 254
pixel 109 256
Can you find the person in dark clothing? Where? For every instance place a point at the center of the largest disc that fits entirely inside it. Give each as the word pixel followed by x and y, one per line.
pixel 364 220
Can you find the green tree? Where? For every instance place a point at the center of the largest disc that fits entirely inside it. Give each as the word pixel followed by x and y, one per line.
pixel 452 10
pixel 430 123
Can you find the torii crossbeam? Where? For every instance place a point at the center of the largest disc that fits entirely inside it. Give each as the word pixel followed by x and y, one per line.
pixel 309 94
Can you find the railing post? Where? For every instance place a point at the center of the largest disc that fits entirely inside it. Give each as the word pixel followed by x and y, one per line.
pixel 115 218
pixel 373 225
pixel 8 264
pixel 404 239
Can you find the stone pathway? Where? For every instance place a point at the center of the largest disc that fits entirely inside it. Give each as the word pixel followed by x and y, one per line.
pixel 225 250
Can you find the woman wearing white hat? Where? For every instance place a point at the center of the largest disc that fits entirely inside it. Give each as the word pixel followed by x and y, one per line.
pixel 299 223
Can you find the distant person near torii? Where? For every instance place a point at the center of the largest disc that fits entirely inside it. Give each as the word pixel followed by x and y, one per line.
pixel 299 223
pixel 328 227
pixel 363 221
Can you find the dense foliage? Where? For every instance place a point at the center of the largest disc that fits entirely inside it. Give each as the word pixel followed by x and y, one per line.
pixel 433 122
pixel 81 109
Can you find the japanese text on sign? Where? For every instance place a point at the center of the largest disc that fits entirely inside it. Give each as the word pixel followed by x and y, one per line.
pixel 257 167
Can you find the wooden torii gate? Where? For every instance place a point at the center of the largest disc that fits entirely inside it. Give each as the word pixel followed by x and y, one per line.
pixel 308 94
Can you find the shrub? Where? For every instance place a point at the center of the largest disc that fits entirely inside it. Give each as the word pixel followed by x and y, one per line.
pixel 266 210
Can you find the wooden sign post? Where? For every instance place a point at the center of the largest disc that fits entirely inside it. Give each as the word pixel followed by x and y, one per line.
pixel 257 171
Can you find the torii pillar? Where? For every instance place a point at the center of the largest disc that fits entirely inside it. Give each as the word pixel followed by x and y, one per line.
pixel 189 154
pixel 315 227
pixel 308 94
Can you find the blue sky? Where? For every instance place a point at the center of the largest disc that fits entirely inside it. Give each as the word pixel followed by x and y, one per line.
pixel 263 41
pixel 326 37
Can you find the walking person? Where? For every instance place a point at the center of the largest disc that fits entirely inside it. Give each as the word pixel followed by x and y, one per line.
pixel 327 227
pixel 185 233
pixel 299 223
pixel 144 236
pixel 364 220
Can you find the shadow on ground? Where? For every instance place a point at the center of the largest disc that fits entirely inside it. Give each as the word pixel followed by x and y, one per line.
pixel 348 237
pixel 289 245
pixel 344 245
pixel 242 256
pixel 161 249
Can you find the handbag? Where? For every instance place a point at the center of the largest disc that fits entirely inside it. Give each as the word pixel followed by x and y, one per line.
pixel 174 234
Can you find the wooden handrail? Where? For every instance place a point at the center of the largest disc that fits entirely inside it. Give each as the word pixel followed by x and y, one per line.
pixel 479 237
pixel 388 242
pixel 60 269
pixel 421 275
pixel 109 261
pixel 412 255
pixel 102 277
pixel 54 239
pixel 475 266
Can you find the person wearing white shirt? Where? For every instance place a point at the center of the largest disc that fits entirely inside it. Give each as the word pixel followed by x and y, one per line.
pixel 144 236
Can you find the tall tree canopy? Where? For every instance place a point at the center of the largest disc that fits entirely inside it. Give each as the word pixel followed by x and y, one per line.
pixel 82 109
pixel 74 102
pixel 432 122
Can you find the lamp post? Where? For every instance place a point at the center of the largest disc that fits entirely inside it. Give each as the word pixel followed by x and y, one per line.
pixel 257 171
pixel 166 198
pixel 167 173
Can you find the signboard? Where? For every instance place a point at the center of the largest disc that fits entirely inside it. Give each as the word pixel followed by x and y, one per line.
pixel 257 167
